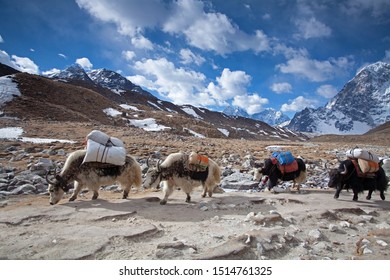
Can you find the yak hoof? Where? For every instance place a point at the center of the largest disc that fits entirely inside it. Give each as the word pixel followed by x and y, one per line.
pixel 355 198
pixel 125 195
pixel 72 198
pixel 163 202
pixel 95 196
pixel 368 197
pixel 336 196
pixel 382 196
pixel 203 195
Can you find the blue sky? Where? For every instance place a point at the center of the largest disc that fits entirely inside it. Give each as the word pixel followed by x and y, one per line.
pixel 253 54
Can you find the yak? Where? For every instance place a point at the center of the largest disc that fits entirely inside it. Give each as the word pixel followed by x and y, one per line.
pixel 93 175
pixel 270 168
pixel 175 171
pixel 346 176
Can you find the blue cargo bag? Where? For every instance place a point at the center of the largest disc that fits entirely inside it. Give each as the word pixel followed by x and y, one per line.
pixel 284 158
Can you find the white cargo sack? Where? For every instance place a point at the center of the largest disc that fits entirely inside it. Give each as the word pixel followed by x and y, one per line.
pixel 104 139
pixel 97 152
pixel 362 154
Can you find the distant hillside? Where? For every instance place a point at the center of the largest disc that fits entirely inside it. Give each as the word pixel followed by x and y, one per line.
pixel 84 100
pixel 377 136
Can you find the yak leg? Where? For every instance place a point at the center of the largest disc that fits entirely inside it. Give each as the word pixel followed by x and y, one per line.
pixel 338 190
pixel 126 192
pixel 77 189
pixel 355 195
pixel 95 195
pixel 382 195
pixel 204 190
pixel 297 186
pixel 368 197
pixel 167 190
pixel 188 198
pixel 207 189
pixel 210 190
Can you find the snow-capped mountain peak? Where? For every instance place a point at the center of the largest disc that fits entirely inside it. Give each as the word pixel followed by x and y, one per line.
pixel 362 104
pixel 73 72
pixel 269 116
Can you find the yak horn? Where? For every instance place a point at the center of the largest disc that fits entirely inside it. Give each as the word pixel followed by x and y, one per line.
pixel 344 171
pixel 47 177
pixel 158 165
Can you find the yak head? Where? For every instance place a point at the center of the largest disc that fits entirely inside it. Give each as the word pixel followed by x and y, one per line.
pixel 57 187
pixel 337 175
pixel 152 176
pixel 267 167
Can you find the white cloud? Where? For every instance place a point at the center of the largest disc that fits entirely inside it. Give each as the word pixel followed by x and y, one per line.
pixel 22 64
pixel 25 64
pixel 252 104
pixel 281 88
pixel 128 55
pixel 229 84
pixel 204 30
pixel 313 69
pixel 62 55
pixel 142 81
pixel 298 104
pixel 51 72
pixel 128 16
pixel 312 28
pixel 141 42
pixel 377 8
pixel 84 62
pixel 1 39
pixel 188 57
pixel 183 86
pixel 266 16
pixel 327 91
pixel 177 84
pixel 233 85
pixel 215 32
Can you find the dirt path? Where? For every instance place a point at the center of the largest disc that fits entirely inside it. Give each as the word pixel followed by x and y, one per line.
pixel 309 225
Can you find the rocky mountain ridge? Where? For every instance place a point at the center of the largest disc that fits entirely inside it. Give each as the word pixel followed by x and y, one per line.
pixel 269 115
pixel 361 105
pixel 78 97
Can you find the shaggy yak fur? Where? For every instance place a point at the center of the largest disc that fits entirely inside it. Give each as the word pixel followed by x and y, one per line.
pixel 270 169
pixel 346 176
pixel 93 175
pixel 174 171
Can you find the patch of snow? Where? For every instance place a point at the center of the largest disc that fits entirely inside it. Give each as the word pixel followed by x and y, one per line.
pixel 170 110
pixel 224 131
pixel 117 91
pixel 129 107
pixel 194 133
pixel 155 105
pixel 112 112
pixel 148 124
pixel 191 112
pixel 8 89
pixel 15 133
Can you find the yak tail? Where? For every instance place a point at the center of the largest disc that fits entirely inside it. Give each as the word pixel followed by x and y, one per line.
pixel 137 176
pixel 301 178
pixel 216 173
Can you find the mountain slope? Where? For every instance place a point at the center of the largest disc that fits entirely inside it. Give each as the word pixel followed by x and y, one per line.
pixel 75 100
pixel 361 105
